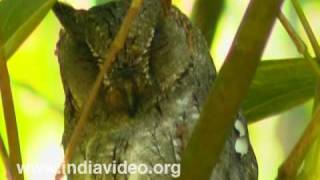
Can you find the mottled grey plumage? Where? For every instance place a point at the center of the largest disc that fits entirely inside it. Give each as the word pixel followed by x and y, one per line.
pixel 151 99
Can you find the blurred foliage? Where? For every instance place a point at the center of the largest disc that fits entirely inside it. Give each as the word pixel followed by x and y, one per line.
pixel 38 93
pixel 35 66
pixel 205 15
pixel 101 1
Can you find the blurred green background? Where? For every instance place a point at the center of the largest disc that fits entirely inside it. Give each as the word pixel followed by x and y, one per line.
pixel 39 98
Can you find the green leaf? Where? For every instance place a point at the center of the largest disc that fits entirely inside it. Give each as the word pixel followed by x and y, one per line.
pixel 278 86
pixel 18 19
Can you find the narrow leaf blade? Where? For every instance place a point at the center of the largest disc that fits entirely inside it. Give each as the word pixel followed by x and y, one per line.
pixel 279 85
pixel 18 19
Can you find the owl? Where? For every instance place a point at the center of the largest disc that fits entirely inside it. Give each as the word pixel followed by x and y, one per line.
pixel 151 98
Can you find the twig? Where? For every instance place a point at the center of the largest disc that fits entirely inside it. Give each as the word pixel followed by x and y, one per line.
pixel 5 158
pixel 311 163
pixel 301 46
pixel 10 118
pixel 224 100
pixel 116 46
pixel 289 168
pixel 307 28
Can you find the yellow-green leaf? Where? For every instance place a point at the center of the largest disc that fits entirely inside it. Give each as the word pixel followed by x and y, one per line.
pixel 277 87
pixel 18 18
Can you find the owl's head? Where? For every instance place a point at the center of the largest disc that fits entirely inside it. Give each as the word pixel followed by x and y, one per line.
pixel 156 54
pixel 129 79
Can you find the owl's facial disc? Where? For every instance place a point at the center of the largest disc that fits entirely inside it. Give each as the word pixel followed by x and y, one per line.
pixel 128 82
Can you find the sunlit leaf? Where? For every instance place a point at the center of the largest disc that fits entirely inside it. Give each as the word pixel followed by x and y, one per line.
pixel 278 86
pixel 18 18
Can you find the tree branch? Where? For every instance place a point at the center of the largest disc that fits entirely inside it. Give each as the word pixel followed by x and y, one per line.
pixel 230 88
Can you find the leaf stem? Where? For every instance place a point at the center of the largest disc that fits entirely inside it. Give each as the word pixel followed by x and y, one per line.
pixel 10 118
pixel 5 158
pixel 301 46
pixel 309 171
pixel 307 28
pixel 289 168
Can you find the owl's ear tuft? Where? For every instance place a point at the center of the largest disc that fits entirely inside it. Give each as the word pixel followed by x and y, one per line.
pixel 70 18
